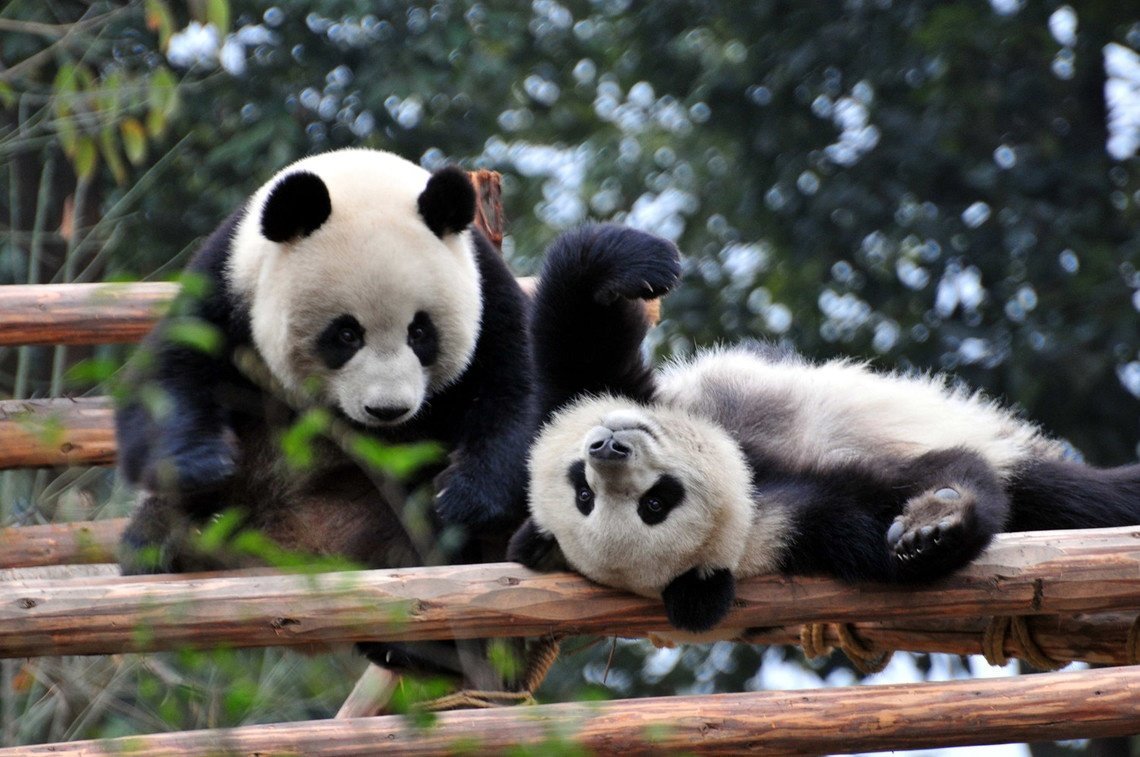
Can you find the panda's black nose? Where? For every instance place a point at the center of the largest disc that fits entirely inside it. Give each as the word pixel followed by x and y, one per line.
pixel 609 449
pixel 386 414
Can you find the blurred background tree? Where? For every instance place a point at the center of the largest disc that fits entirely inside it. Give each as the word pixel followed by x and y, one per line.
pixel 931 185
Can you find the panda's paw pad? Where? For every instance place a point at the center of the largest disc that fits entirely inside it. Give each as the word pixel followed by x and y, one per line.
pixel 932 528
pixel 650 266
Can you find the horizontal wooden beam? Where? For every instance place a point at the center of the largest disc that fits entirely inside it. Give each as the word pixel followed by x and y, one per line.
pixel 51 432
pixel 81 313
pixel 1098 638
pixel 1043 573
pixel 1091 703
pixel 82 542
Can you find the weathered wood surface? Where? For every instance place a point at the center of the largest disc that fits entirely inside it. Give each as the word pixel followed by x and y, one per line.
pixel 81 313
pixel 82 542
pixel 1044 573
pixel 48 432
pixel 824 721
pixel 1091 638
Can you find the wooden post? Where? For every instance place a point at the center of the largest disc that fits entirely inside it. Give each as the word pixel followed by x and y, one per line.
pixel 1043 573
pixel 1091 703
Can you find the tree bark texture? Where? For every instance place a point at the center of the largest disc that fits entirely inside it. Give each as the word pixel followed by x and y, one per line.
pixel 1043 573
pixel 1089 703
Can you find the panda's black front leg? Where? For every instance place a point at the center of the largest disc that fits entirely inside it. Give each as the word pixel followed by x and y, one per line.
pixel 484 487
pixel 958 505
pixel 588 323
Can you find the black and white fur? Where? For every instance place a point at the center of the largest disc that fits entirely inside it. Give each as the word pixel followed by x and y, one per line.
pixel 751 459
pixel 357 280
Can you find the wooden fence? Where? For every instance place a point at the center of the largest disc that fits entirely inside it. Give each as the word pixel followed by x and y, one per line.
pixel 1050 597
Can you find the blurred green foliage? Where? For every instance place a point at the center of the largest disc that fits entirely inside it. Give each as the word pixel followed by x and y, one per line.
pixel 926 184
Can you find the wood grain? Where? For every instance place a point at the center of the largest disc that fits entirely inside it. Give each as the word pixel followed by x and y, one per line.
pixel 81 313
pixel 82 542
pixel 1044 573
pixel 51 432
pixel 1084 704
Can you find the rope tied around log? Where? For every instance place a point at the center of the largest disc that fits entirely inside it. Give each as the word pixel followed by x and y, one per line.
pixel 866 659
pixel 539 659
pixel 1013 630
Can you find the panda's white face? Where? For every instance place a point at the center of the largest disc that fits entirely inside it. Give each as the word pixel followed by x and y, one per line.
pixel 369 308
pixel 638 495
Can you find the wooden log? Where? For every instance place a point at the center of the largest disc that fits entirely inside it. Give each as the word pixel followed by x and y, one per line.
pixel 1097 639
pixel 81 313
pixel 83 542
pixel 1092 703
pixel 49 432
pixel 1043 573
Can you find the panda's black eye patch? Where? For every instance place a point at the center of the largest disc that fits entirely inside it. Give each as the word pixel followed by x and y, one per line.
pixel 583 494
pixel 423 338
pixel 656 504
pixel 341 339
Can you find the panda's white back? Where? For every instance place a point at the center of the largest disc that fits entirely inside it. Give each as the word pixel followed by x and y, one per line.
pixel 814 416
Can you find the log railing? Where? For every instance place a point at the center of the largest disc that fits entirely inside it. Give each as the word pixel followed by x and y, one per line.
pixel 821 721
pixel 1034 574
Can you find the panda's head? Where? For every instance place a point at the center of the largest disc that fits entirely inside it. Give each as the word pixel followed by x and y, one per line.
pixel 361 280
pixel 637 496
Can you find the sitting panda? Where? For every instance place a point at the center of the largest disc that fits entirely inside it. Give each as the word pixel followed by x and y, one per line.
pixel 750 459
pixel 355 279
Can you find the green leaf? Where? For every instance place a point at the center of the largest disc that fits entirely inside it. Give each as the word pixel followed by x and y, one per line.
pixel 159 19
pixel 398 460
pixel 297 442
pixel 134 140
pixel 218 14
pixel 195 333
pixel 86 157
pixel 110 152
pixel 7 95
pixel 93 370
pixel 162 96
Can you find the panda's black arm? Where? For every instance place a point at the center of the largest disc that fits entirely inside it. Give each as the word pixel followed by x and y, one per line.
pixel 172 426
pixel 587 325
pixel 488 417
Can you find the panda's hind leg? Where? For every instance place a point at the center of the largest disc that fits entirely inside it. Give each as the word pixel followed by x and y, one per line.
pixel 957 506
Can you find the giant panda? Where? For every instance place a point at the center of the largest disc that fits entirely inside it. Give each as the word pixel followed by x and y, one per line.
pixel 356 281
pixel 751 459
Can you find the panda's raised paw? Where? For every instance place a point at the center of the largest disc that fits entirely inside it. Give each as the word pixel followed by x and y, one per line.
pixel 650 266
pixel 928 539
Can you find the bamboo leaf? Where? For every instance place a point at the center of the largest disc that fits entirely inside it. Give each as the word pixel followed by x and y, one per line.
pixel 86 157
pixel 159 19
pixel 110 152
pixel 134 140
pixel 218 14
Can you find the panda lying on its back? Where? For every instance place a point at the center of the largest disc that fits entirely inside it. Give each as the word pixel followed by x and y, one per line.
pixel 751 460
pixel 354 276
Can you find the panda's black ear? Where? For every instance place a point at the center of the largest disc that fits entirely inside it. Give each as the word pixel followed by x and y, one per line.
pixel 699 598
pixel 535 549
pixel 296 207
pixel 447 203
